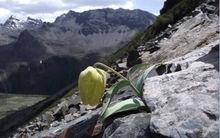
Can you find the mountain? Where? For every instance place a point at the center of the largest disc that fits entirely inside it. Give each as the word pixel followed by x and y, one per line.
pixel 12 23
pixel 103 30
pixel 10 30
pixel 73 41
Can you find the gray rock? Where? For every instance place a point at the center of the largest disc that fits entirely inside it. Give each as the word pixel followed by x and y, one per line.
pixel 61 110
pixel 123 65
pixel 69 117
pixel 47 117
pixel 54 124
pixel 74 100
pixel 213 131
pixel 80 127
pixel 72 110
pixel 190 34
pixel 185 103
pixel 82 108
pixel 132 126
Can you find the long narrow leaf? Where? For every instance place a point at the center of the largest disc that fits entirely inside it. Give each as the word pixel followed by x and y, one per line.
pixel 140 82
pixel 126 105
pixel 134 68
pixel 113 90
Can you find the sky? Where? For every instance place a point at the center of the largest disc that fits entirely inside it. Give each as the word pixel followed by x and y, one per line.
pixel 48 10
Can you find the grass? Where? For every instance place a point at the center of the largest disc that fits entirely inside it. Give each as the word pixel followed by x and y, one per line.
pixel 12 102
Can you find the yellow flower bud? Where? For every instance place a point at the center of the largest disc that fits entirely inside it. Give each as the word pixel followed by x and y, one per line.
pixel 91 85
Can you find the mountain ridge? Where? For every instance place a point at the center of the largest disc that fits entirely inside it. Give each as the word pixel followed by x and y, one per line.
pixel 74 36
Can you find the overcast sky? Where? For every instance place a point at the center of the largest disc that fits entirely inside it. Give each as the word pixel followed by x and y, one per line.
pixel 48 10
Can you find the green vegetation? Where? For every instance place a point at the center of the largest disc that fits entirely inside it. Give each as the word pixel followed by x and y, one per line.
pixel 172 11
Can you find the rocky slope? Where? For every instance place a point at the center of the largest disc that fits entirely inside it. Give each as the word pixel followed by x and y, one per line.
pixel 104 30
pixel 31 52
pixel 181 89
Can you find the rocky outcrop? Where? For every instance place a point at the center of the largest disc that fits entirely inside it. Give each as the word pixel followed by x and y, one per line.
pixel 186 35
pixel 131 126
pixel 182 95
pixel 184 103
pixel 182 88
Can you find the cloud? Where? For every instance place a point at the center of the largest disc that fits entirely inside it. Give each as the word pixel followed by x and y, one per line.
pixel 95 2
pixel 48 10
pixel 126 4
pixel 4 14
pixel 37 6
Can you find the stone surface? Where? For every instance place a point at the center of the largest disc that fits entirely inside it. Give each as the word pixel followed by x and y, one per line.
pixel 80 127
pixel 131 126
pixel 185 103
pixel 185 36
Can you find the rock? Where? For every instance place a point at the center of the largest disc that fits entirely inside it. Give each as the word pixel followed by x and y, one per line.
pixel 206 8
pixel 133 58
pixel 185 103
pixel 69 117
pixel 31 127
pixel 112 79
pixel 122 65
pixel 213 131
pixel 72 110
pixel 61 110
pixel 54 124
pixel 47 117
pixel 76 115
pixel 131 126
pixel 80 127
pixel 195 32
pixel 73 101
pixel 40 126
pixel 82 108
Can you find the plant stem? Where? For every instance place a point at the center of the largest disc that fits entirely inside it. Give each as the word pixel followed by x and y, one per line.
pixel 98 64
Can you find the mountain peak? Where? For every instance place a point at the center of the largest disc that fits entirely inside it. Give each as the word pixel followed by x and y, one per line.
pixel 29 19
pixel 13 23
pixel 100 20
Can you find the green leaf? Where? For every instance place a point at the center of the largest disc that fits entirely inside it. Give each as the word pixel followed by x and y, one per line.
pixel 126 105
pixel 140 82
pixel 134 68
pixel 113 90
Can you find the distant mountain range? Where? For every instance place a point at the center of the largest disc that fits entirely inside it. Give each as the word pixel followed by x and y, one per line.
pixel 10 30
pixel 85 37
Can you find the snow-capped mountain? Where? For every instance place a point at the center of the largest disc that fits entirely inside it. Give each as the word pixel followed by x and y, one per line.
pixel 10 30
pixel 79 33
pixel 12 23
